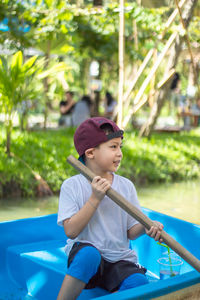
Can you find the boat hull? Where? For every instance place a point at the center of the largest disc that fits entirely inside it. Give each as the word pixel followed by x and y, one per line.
pixel 33 262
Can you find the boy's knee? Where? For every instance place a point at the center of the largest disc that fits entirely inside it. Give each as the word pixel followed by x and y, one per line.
pixel 133 281
pixel 91 256
pixel 85 264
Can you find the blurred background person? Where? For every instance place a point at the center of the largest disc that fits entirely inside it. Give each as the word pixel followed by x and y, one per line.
pixel 66 109
pixel 195 110
pixel 110 105
pixel 82 111
pixel 184 113
pixel 176 98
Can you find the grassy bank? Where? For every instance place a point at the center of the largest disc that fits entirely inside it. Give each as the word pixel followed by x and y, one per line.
pixel 162 158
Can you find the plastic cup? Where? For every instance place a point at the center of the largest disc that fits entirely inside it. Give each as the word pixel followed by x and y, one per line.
pixel 169 266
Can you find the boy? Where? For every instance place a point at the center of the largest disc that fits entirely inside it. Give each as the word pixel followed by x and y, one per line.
pixel 97 228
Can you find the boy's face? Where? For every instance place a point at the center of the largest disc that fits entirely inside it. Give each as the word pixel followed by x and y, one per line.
pixel 108 155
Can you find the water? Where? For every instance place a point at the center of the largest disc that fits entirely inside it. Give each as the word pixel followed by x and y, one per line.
pixel 166 274
pixel 181 200
pixel 11 209
pixel 169 266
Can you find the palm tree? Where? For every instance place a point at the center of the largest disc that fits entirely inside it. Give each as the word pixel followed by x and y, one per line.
pixel 15 86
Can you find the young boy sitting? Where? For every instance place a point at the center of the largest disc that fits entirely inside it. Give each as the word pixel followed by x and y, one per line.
pixel 98 229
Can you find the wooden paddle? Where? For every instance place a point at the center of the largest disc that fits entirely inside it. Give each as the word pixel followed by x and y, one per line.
pixel 138 215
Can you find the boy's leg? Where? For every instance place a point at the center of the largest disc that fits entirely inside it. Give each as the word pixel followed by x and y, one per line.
pixel 71 288
pixel 83 267
pixel 133 281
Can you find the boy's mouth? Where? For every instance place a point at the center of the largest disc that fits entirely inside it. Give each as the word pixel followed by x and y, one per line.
pixel 117 162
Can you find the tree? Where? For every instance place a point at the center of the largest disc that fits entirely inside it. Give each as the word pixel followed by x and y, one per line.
pixel 50 33
pixel 13 37
pixel 16 80
pixel 81 34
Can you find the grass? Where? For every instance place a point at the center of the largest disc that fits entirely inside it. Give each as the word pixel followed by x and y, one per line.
pixel 162 158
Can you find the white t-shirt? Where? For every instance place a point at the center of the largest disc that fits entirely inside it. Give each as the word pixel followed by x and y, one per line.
pixel 107 229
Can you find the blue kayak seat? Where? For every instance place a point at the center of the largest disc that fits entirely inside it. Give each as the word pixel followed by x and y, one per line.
pixel 40 268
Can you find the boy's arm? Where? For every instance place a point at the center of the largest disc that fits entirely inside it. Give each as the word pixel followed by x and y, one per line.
pixel 138 230
pixel 77 222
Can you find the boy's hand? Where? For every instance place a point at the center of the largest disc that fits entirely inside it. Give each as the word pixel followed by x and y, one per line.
pixel 155 231
pixel 99 187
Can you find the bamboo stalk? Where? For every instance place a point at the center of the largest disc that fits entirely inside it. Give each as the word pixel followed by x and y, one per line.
pixel 160 84
pixel 150 53
pixel 141 69
pixel 148 78
pixel 152 81
pixel 172 17
pixel 166 78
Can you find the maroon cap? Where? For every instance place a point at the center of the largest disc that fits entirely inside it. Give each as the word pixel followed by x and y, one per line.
pixel 90 134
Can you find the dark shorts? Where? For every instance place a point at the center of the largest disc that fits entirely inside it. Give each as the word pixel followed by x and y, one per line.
pixel 109 275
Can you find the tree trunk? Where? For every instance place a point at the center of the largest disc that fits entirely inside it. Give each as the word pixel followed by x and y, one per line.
pixel 172 61
pixel 97 97
pixel 121 64
pixel 97 94
pixel 96 103
pixel 8 135
pixel 8 140
pixel 46 84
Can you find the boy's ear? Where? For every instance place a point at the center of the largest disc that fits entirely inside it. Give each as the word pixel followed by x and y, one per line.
pixel 89 153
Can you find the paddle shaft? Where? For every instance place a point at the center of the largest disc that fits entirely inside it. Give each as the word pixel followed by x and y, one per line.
pixel 138 215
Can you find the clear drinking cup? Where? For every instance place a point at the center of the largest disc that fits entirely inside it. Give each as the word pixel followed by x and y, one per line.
pixel 169 266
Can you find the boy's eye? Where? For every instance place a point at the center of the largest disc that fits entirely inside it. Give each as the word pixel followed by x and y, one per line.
pixel 115 146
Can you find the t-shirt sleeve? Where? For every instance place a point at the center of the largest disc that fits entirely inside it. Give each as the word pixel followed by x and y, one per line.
pixel 134 200
pixel 67 201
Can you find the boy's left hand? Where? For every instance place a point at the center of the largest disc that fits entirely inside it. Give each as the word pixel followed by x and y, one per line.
pixel 155 231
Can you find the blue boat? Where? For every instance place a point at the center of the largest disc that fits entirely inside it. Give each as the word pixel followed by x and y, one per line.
pixel 33 261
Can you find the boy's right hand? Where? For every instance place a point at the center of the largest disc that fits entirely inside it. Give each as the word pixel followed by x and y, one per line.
pixel 99 187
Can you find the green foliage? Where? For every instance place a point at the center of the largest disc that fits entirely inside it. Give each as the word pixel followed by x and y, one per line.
pixel 16 85
pixel 20 81
pixel 84 34
pixel 91 33
pixel 163 158
pixel 14 38
pixel 44 152
pixel 194 30
pixel 51 26
pixel 15 80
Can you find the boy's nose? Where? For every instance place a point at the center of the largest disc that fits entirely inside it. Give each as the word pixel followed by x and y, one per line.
pixel 120 152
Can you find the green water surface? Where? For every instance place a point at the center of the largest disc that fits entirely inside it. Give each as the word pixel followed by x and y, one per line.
pixel 181 200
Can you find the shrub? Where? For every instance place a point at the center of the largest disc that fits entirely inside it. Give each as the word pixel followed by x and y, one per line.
pixel 162 158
